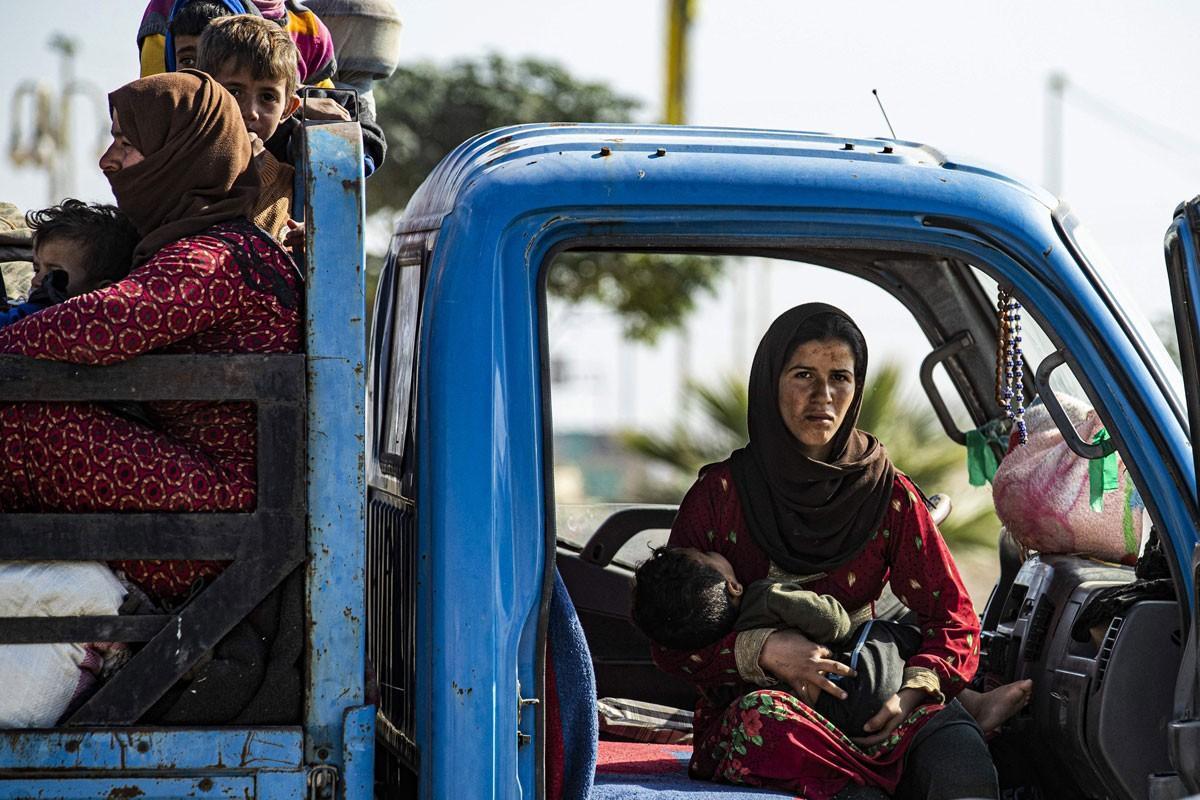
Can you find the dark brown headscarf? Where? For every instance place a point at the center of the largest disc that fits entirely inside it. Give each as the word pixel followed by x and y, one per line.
pixel 808 516
pixel 197 170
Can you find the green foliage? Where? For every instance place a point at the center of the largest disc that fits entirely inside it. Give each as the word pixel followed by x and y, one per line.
pixel 427 110
pixel 686 449
pixel 908 428
pixel 650 292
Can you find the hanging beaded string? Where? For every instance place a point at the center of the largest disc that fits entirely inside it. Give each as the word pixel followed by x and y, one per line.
pixel 1010 363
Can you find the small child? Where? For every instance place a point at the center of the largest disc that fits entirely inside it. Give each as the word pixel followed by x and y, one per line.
pixel 185 28
pixel 256 63
pixel 78 247
pixel 684 599
pixel 157 49
pixel 169 38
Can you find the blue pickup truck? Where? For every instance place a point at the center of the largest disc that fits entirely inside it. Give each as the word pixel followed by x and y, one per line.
pixel 436 553
pixel 464 526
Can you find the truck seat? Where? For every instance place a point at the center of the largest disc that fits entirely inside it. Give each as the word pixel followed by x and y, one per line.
pixel 629 770
pixel 623 770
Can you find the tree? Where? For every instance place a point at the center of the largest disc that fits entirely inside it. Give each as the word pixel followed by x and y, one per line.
pixel 650 292
pixel 427 110
pixel 908 429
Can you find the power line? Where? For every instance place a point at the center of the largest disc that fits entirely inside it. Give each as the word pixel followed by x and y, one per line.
pixel 1134 123
pixel 1059 91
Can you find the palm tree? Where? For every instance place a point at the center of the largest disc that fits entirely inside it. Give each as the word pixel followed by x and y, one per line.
pixel 907 427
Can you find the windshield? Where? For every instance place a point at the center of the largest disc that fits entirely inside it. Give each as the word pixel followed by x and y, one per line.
pixel 1164 369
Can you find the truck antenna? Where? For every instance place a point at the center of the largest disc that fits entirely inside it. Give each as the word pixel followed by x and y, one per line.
pixel 881 109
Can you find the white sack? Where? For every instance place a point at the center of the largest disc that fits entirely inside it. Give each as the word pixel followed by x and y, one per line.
pixel 39 680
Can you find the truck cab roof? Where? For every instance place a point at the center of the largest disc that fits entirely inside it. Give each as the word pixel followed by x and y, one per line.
pixel 639 163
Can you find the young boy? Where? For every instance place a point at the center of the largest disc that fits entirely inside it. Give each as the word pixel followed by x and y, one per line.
pixel 78 247
pixel 247 55
pixel 185 28
pixel 157 50
pixel 256 63
pixel 684 599
pixel 184 21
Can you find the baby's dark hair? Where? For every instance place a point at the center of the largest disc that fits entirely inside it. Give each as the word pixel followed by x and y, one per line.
pixel 193 18
pixel 102 231
pixel 679 602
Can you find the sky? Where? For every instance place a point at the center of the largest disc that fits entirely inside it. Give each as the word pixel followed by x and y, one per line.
pixel 967 78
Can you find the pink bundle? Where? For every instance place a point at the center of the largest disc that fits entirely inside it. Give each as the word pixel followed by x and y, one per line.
pixel 1043 493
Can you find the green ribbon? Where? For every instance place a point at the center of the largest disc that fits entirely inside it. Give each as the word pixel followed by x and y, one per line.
pixel 981 460
pixel 1131 542
pixel 1102 472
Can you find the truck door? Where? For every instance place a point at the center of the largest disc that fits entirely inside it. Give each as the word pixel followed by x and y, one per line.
pixel 1183 269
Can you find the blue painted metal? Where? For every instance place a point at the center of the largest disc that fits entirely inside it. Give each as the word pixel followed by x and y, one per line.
pixel 1181 231
pixel 155 763
pixel 153 749
pixel 265 785
pixel 502 202
pixel 358 747
pixel 143 788
pixel 336 347
pixel 271 785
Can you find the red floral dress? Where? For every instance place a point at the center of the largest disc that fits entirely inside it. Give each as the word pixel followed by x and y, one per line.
pixel 226 290
pixel 745 734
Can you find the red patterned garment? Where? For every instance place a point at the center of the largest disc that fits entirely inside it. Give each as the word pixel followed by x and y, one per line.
pixel 228 289
pixel 766 737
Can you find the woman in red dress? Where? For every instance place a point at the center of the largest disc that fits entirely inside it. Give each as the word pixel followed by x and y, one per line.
pixel 813 498
pixel 205 280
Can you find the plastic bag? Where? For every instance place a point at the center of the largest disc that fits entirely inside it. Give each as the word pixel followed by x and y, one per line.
pixel 1043 493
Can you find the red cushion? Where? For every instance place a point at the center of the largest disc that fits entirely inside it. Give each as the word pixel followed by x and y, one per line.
pixel 637 758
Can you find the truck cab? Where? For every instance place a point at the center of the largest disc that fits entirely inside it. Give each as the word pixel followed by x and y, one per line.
pixel 467 531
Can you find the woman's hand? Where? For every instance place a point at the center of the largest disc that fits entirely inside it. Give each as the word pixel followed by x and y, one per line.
pixel 293 240
pixel 894 711
pixel 802 664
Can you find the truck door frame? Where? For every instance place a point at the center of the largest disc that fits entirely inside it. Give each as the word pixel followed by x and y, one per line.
pixel 1182 251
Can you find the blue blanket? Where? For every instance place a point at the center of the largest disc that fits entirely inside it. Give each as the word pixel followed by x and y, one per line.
pixel 634 771
pixel 576 684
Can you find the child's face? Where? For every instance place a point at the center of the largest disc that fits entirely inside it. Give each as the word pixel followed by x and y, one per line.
pixel 721 564
pixel 185 51
pixel 65 255
pixel 263 101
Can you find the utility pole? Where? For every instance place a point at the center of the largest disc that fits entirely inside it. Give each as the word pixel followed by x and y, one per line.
pixel 1056 87
pixel 679 19
pixel 41 137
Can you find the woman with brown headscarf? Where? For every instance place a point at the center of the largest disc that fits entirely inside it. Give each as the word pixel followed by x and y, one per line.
pixel 205 280
pixel 811 498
